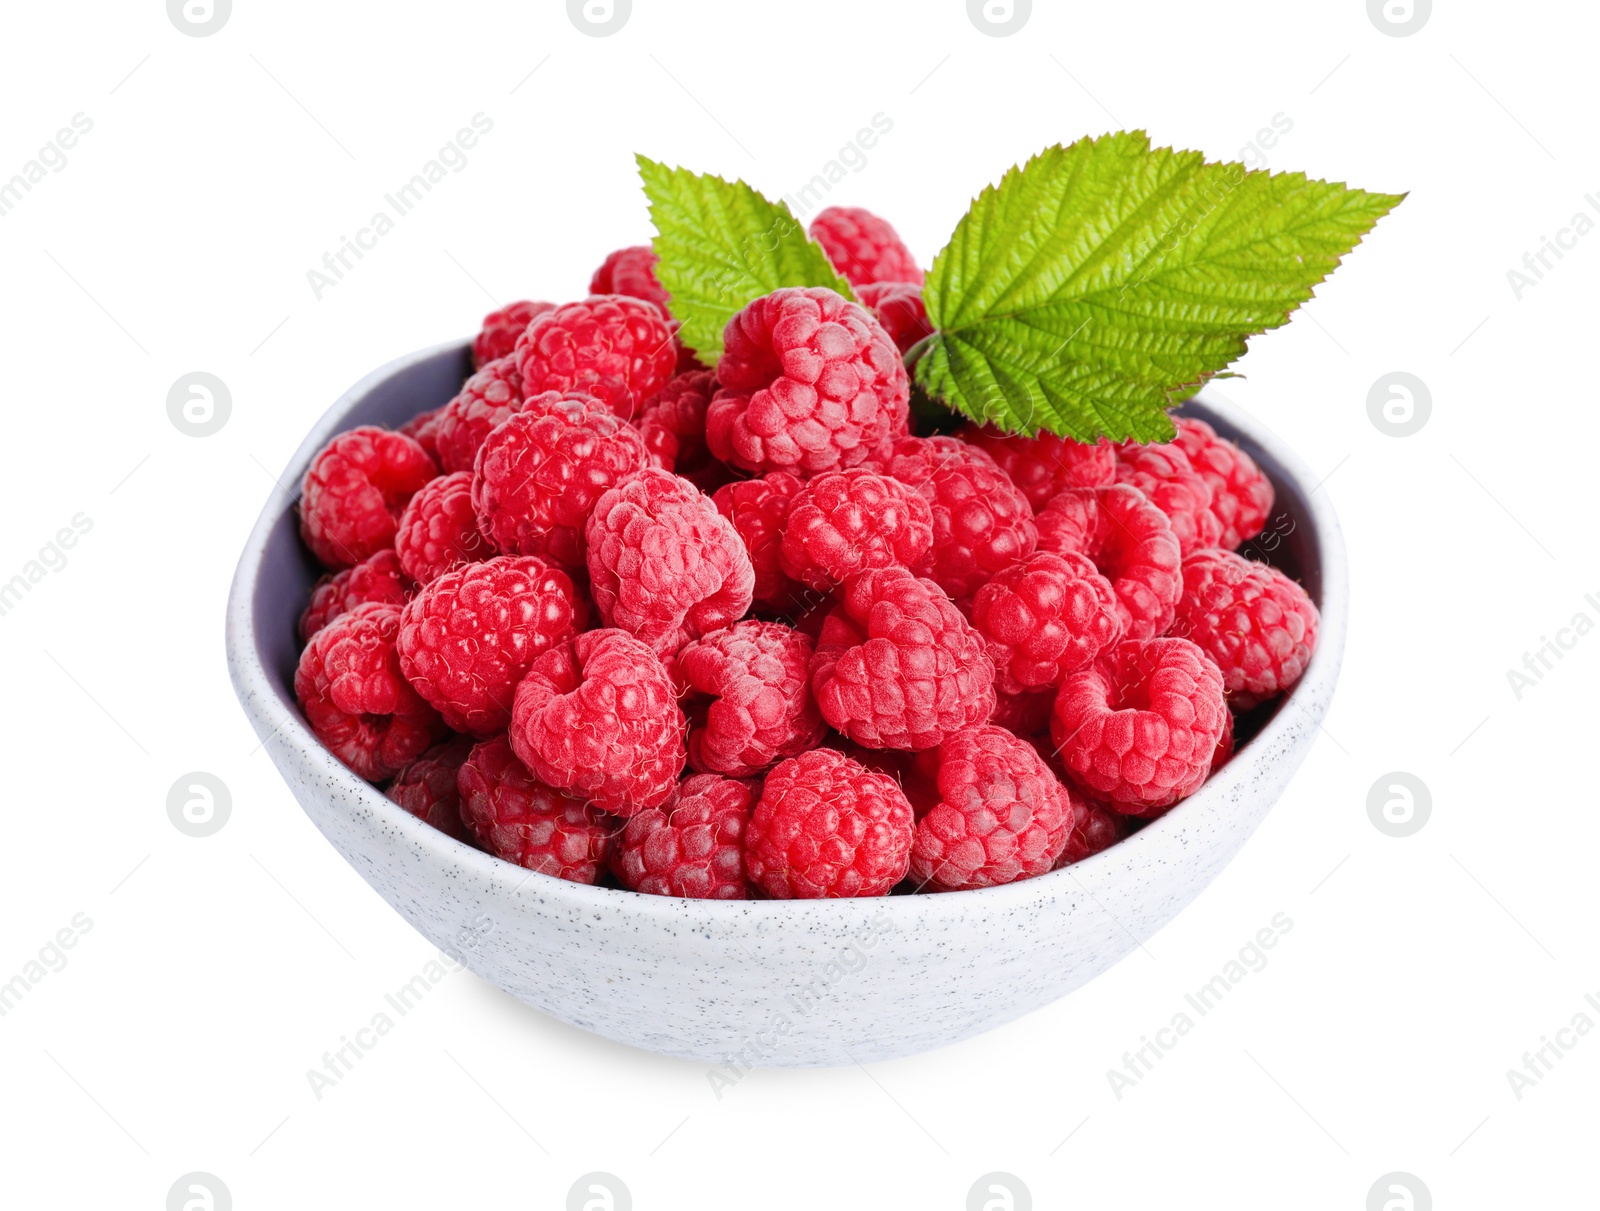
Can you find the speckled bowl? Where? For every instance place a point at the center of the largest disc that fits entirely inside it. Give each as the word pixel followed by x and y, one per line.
pixel 772 982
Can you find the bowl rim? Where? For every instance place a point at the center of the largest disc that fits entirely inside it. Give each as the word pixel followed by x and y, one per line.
pixel 507 881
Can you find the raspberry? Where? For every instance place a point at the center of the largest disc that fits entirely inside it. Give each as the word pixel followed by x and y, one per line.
pixel 1257 624
pixel 845 521
pixel 692 845
pixel 427 787
pixel 759 708
pixel 1140 726
pixel 981 523
pixel 1165 475
pixel 1130 541
pixel 439 530
pixel 423 429
pixel 759 511
pixel 484 401
pixel 376 578
pixel 501 330
pixel 354 491
pixel 516 817
pixel 1023 715
pixel 631 271
pixel 864 247
pixel 897 666
pixel 898 306
pixel 1241 495
pixel 540 472
pixel 357 700
pixel 618 349
pixel 471 634
pixel 1097 827
pixel 1044 618
pixel 664 565
pixel 599 717
pixel 828 827
pixel 1001 815
pixel 673 425
pixel 809 383
pixel 1047 464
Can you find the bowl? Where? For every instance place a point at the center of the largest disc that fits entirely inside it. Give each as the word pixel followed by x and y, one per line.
pixel 771 983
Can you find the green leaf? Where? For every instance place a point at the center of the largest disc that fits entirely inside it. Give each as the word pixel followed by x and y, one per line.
pixel 1103 281
pixel 721 245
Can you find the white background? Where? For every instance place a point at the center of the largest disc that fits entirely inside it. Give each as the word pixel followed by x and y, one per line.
pixel 217 971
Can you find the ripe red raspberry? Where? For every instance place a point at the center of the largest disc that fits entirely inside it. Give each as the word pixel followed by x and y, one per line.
pixel 692 845
pixel 357 700
pixel 1140 726
pixel 828 827
pixel 427 787
pixel 1241 494
pixel 1023 715
pixel 354 491
pixel 846 521
pixel 1257 624
pixel 864 247
pixel 1047 464
pixel 981 523
pixel 898 306
pixel 423 429
pixel 471 634
pixel 1164 474
pixel 618 349
pixel 501 330
pixel 540 472
pixel 897 666
pixel 1001 816
pixel 484 401
pixel 438 530
pixel 516 817
pixel 599 717
pixel 664 565
pixel 376 578
pixel 631 271
pixel 809 383
pixel 1044 618
pixel 748 697
pixel 1096 828
pixel 673 425
pixel 1130 541
pixel 759 511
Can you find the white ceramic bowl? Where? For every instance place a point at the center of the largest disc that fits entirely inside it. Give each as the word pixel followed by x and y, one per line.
pixel 799 982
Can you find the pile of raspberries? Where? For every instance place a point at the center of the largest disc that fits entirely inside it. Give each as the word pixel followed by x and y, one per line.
pixel 738 632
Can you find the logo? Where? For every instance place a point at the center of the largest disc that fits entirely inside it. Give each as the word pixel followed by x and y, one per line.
pixel 1399 18
pixel 199 404
pixel 599 18
pixel 199 18
pixel 199 1192
pixel 999 1192
pixel 599 1192
pixel 199 804
pixel 1399 404
pixel 999 18
pixel 1399 1192
pixel 1399 804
